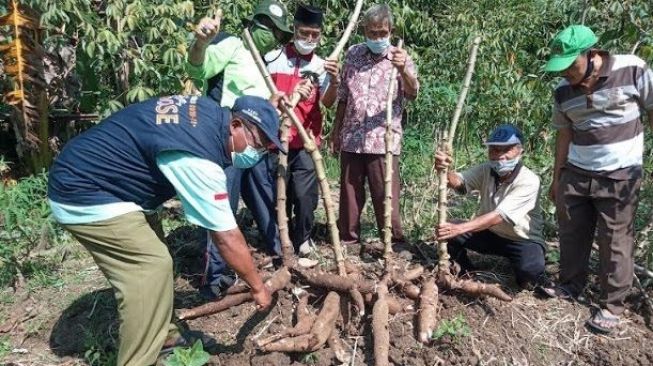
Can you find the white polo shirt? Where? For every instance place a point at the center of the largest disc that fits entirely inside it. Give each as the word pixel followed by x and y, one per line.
pixel 516 200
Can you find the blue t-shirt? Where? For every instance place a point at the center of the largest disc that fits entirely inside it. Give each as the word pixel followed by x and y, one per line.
pixel 200 184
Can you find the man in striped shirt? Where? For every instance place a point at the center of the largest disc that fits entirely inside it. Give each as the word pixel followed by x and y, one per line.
pixel 598 164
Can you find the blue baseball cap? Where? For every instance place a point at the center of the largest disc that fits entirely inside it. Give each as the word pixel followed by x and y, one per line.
pixel 505 135
pixel 260 113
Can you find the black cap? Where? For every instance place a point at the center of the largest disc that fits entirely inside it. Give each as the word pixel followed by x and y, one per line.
pixel 309 15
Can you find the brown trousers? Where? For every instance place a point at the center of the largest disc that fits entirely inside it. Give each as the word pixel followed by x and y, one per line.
pixel 589 206
pixel 354 169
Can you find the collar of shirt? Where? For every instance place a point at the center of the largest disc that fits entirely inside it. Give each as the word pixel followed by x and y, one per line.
pixel 374 58
pixel 511 178
pixel 606 66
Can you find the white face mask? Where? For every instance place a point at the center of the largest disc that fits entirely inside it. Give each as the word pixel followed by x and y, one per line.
pixel 504 167
pixel 304 47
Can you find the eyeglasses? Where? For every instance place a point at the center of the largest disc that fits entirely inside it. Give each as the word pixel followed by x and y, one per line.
pixel 307 34
pixel 260 147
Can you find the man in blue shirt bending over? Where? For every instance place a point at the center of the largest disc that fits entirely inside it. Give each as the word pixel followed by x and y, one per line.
pixel 105 182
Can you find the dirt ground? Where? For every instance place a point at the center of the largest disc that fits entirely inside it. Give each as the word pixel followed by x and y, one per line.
pixel 73 322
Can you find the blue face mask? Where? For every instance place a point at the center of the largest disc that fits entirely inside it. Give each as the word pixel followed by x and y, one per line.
pixel 504 167
pixel 246 158
pixel 378 46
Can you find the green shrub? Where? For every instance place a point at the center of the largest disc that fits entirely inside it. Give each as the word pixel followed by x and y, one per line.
pixel 25 225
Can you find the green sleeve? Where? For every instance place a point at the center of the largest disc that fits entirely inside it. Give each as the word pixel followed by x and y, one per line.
pixel 216 58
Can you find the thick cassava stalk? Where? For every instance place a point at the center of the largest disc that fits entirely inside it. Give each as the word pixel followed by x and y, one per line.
pixel 447 142
pixel 287 248
pixel 347 33
pixel 345 36
pixel 311 148
pixel 443 252
pixel 387 204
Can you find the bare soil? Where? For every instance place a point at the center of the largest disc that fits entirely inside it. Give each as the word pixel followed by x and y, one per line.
pixel 75 321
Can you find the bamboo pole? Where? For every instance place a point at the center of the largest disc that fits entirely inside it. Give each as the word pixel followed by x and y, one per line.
pixel 311 148
pixel 287 249
pixel 347 33
pixel 443 252
pixel 387 204
pixel 447 147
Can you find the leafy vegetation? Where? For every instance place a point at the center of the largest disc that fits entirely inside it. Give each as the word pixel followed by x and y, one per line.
pixel 121 52
pixel 127 51
pixel 193 356
pixel 25 228
pixel 455 328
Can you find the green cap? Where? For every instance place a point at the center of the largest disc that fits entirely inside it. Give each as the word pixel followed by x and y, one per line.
pixel 274 10
pixel 567 45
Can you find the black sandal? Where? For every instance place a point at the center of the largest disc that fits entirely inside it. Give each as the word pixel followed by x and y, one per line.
pixel 561 292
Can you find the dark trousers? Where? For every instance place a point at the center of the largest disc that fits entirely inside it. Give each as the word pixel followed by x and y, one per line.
pixel 526 257
pixel 589 206
pixel 354 170
pixel 302 192
pixel 257 187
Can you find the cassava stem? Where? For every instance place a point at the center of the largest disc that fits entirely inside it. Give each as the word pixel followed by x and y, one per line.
pixel 311 148
pixel 447 142
pixel 287 248
pixel 387 203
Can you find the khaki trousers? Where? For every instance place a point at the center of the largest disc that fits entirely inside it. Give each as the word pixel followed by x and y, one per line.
pixel 130 251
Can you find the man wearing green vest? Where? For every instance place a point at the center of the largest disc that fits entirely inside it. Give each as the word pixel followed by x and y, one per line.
pixel 223 68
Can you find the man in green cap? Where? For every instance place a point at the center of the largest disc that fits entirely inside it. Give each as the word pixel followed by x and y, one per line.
pixel 223 69
pixel 598 164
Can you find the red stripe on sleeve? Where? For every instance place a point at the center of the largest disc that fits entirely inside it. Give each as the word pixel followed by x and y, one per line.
pixel 220 196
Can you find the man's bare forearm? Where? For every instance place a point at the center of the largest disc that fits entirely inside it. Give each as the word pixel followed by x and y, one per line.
pixel 330 95
pixel 410 84
pixel 197 53
pixel 482 222
pixel 233 249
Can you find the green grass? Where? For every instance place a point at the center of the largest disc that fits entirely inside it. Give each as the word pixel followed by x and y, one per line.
pixel 5 346
pixel 26 227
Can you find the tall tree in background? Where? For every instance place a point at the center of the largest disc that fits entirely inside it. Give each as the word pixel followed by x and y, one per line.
pixel 22 60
